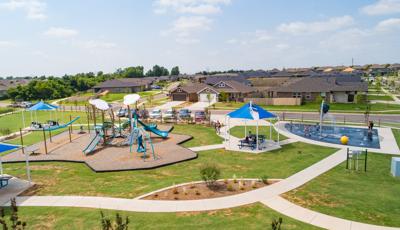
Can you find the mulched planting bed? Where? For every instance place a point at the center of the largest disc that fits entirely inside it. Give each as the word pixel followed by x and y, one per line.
pixel 198 191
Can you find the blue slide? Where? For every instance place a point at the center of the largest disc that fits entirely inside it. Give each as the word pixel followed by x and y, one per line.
pixel 154 129
pixel 93 143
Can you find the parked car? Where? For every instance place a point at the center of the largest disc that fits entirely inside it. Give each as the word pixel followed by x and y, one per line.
pixel 155 114
pixel 155 87
pixel 123 112
pixel 170 114
pixel 184 114
pixel 199 116
pixel 26 104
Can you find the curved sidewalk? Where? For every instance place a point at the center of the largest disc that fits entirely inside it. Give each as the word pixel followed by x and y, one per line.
pixel 264 193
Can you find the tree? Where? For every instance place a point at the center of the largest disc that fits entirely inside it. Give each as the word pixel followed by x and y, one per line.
pixel 175 71
pixel 131 72
pixel 157 71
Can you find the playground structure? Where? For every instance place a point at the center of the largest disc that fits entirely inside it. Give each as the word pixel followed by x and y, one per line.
pixel 133 131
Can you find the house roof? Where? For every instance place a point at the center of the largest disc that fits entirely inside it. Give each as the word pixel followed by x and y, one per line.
pixel 283 73
pixel 193 87
pixel 124 83
pixel 5 84
pixel 213 79
pixel 319 84
pixel 236 87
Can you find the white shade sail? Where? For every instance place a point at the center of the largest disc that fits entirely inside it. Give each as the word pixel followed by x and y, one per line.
pixel 131 99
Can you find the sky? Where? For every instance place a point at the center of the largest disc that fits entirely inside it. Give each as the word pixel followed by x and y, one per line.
pixel 53 37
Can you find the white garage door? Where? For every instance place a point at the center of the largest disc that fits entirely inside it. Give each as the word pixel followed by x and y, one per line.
pixel 204 97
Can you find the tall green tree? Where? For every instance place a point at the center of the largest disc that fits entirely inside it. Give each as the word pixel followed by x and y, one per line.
pixel 175 71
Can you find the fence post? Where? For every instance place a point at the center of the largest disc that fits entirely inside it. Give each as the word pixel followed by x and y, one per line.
pixel 302 118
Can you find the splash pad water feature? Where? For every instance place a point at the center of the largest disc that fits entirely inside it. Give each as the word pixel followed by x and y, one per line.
pixel 331 133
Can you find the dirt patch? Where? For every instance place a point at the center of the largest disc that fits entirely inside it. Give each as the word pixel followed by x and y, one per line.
pixel 198 191
pixel 312 200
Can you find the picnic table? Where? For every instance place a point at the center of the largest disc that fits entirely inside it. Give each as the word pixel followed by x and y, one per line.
pixel 251 142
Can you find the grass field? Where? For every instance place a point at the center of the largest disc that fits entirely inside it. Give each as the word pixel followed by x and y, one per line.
pixel 5 110
pixel 371 197
pixel 255 216
pixel 396 133
pixel 60 178
pixel 380 97
pixel 238 131
pixel 14 121
pixel 202 135
pixel 314 107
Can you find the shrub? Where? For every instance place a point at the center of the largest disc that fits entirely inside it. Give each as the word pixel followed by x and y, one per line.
pixel 276 224
pixel 118 224
pixel 210 174
pixel 264 179
pixel 253 184
pixel 234 178
pixel 230 188
pixel 226 181
pixel 16 223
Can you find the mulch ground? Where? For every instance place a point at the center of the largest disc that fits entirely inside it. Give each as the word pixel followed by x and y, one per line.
pixel 202 191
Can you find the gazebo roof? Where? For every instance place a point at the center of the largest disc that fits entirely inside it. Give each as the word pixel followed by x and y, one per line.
pixel 41 105
pixel 251 111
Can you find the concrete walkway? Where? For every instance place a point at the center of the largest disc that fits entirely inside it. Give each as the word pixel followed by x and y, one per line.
pixel 207 147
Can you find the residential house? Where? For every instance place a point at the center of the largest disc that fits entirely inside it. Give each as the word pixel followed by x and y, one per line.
pixel 5 84
pixel 195 92
pixel 310 88
pixel 124 85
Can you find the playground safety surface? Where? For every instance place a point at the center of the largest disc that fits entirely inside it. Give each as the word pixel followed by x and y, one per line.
pixel 109 158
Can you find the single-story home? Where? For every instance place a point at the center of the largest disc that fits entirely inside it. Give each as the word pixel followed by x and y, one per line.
pixel 5 84
pixel 195 92
pixel 310 88
pixel 124 85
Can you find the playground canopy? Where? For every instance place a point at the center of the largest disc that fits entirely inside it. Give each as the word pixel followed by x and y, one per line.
pixel 42 106
pixel 255 112
pixel 251 111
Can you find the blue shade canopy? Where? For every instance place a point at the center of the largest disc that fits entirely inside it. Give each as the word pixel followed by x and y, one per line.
pixel 5 147
pixel 251 112
pixel 42 106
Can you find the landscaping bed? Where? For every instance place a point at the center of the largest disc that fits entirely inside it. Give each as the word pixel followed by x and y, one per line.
pixel 200 190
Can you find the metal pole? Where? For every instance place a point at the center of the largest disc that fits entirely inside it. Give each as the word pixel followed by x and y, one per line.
pixel 22 140
pixel 257 137
pixel 70 129
pixel 88 118
pixel 28 170
pixel 23 119
pixel 44 139
pixel 50 136
pixel 366 158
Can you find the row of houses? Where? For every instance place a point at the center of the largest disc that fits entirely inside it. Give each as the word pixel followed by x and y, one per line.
pixel 332 89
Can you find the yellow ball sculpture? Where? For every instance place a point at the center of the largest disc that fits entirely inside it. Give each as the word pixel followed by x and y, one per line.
pixel 344 140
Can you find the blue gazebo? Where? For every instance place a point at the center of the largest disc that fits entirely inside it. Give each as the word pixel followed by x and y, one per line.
pixel 255 112
pixel 40 106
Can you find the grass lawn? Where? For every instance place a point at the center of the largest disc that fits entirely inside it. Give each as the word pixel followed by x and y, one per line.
pixel 396 133
pixel 371 197
pixel 238 131
pixel 380 97
pixel 60 178
pixel 314 107
pixel 5 110
pixel 202 135
pixel 255 216
pixel 14 121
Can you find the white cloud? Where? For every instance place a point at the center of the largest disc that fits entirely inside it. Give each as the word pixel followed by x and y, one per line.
pixel 200 7
pixel 7 44
pixel 282 46
pixel 35 9
pixel 186 26
pixel 232 41
pixel 382 7
pixel 388 24
pixel 332 24
pixel 60 32
pixel 92 44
